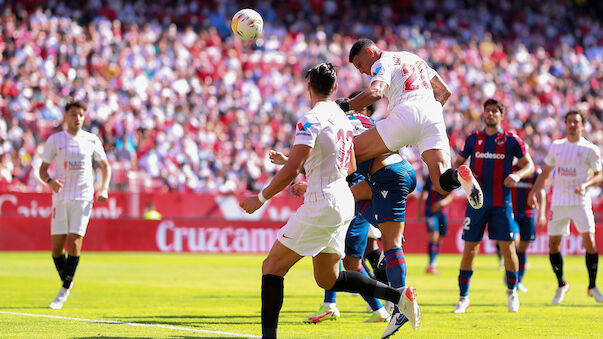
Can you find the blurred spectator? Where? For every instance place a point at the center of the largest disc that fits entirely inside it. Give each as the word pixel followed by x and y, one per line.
pixel 181 105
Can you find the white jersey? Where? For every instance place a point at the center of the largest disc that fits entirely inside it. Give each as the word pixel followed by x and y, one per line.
pixel 73 163
pixel 407 76
pixel 328 131
pixel 572 161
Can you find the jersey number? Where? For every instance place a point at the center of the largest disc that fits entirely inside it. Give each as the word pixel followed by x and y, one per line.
pixel 416 76
pixel 345 142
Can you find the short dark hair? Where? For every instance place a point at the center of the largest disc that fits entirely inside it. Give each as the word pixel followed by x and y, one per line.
pixel 358 46
pixel 75 103
pixel 370 108
pixel 322 78
pixel 499 105
pixel 574 112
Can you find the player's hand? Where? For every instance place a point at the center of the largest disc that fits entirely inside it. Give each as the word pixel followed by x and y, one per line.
pixel 512 180
pixel 531 200
pixel 344 104
pixel 251 204
pixel 435 208
pixel 102 195
pixel 299 189
pixel 542 221
pixel 56 185
pixel 277 158
pixel 581 189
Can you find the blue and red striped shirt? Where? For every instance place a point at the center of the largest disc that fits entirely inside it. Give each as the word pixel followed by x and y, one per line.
pixel 432 198
pixel 491 162
pixel 520 193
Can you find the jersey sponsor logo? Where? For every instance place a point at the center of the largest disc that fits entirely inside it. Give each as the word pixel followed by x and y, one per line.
pixel 489 155
pixel 303 127
pixel 76 164
pixel 377 70
pixel 566 171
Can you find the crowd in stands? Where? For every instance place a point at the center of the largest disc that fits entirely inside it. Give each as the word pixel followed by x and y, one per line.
pixel 182 105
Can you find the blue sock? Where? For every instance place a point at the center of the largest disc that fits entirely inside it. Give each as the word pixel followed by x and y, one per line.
pixel 432 247
pixel 395 268
pixel 511 279
pixel 374 303
pixel 523 259
pixel 465 281
pixel 331 296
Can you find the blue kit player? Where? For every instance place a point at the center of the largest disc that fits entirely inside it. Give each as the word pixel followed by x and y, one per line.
pixel 525 216
pixel 436 220
pixel 492 151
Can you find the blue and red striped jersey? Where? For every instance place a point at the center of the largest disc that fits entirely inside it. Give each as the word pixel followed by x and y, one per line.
pixel 491 162
pixel 520 193
pixel 432 197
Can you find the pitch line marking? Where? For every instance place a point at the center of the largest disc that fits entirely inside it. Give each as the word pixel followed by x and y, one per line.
pixel 170 327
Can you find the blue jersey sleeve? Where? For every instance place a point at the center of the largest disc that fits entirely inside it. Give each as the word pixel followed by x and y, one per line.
pixel 518 146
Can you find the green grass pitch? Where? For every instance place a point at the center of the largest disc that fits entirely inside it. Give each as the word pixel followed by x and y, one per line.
pixel 154 295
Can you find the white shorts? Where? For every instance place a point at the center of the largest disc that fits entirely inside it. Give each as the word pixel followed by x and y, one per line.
pixel 419 123
pixel 70 216
pixel 319 226
pixel 582 216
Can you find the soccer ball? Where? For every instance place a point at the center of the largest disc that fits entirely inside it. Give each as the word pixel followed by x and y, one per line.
pixel 247 24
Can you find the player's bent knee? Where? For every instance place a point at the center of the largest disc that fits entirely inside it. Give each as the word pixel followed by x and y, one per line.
pixel 352 263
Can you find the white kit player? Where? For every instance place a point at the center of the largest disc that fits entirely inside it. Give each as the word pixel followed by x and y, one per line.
pixel 577 166
pixel 72 185
pixel 416 95
pixel 323 148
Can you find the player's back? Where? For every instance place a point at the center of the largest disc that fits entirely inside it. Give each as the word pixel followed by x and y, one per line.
pixel 407 75
pixel 327 165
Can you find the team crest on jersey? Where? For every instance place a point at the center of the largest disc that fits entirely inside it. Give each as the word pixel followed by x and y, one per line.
pixel 500 141
pixel 377 70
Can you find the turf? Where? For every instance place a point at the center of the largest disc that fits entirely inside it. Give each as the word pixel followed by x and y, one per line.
pixel 221 293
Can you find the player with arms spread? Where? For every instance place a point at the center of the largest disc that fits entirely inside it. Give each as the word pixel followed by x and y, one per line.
pixel 416 95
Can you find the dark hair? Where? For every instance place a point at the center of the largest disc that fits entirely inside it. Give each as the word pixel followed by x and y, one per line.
pixel 359 46
pixel 322 78
pixel 499 105
pixel 75 103
pixel 370 108
pixel 574 112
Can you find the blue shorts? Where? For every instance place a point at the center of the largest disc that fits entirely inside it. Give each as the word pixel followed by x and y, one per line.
pixel 355 239
pixel 437 222
pixel 527 227
pixel 391 185
pixel 501 225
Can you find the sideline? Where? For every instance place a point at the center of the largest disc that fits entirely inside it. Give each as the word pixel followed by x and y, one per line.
pixel 170 327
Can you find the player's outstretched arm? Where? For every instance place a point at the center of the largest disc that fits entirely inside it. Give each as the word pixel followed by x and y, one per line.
pixel 595 179
pixel 526 167
pixel 441 92
pixel 297 157
pixel 541 200
pixel 370 95
pixel 547 171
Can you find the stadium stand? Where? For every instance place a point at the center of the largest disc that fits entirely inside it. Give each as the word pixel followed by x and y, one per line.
pixel 183 106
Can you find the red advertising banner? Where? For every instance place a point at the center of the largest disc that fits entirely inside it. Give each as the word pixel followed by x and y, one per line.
pixel 221 236
pixel 198 206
